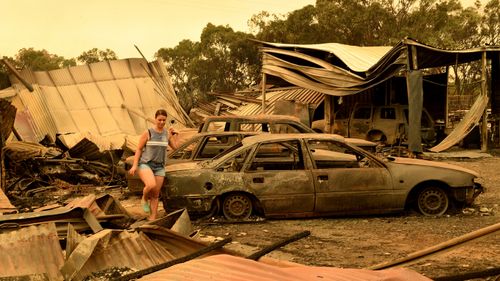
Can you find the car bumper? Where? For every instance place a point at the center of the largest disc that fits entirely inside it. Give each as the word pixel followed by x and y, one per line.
pixel 468 194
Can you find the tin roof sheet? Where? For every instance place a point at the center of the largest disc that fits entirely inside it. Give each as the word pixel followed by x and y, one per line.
pixel 31 250
pixel 89 98
pixel 357 58
pixel 227 267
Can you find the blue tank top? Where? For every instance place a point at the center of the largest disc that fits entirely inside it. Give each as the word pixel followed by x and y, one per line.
pixel 155 148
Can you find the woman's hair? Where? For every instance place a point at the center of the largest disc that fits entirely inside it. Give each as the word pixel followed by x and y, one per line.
pixel 162 112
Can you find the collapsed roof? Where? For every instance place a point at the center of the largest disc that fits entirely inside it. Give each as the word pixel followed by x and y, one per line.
pixel 108 99
pixel 339 69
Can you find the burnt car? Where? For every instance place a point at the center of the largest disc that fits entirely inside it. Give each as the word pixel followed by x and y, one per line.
pixel 299 175
pixel 204 146
pixel 201 146
pixel 274 124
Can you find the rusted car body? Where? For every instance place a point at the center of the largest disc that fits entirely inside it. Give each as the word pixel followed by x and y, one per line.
pixel 387 124
pixel 298 175
pixel 202 146
pixel 275 124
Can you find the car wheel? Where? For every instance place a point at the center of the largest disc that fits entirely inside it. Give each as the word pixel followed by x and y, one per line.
pixel 237 206
pixel 432 201
pixel 377 137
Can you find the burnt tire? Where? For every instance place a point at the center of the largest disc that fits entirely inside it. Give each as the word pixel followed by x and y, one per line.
pixel 237 206
pixel 432 201
pixel 377 137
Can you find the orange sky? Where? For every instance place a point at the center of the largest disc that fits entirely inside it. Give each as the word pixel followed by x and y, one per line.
pixel 68 28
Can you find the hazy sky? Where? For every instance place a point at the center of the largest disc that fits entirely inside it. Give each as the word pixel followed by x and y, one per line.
pixel 69 27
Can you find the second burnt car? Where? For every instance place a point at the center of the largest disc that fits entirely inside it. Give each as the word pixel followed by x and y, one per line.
pixel 265 123
pixel 202 146
pixel 299 175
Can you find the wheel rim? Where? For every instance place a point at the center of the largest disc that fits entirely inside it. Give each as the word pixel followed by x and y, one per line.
pixel 377 137
pixel 432 201
pixel 237 207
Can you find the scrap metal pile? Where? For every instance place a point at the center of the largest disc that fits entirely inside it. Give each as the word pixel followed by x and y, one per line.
pixel 38 174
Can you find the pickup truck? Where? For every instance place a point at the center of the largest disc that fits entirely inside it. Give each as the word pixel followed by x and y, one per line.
pixel 386 124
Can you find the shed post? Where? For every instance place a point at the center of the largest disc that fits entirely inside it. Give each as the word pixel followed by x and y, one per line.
pixel 263 93
pixel 329 114
pixel 2 175
pixel 447 106
pixel 484 127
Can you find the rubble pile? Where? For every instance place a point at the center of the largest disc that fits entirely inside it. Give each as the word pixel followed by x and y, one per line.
pixel 38 175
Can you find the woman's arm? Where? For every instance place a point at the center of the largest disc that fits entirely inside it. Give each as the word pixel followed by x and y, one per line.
pixel 173 138
pixel 142 142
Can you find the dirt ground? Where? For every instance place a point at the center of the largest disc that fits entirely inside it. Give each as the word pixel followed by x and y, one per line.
pixel 359 242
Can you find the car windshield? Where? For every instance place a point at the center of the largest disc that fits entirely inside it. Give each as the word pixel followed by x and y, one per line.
pixel 220 155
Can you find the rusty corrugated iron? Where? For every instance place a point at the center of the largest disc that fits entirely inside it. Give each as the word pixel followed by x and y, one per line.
pixel 470 120
pixel 296 94
pixel 33 250
pixel 251 102
pixel 148 246
pixel 227 267
pixel 89 98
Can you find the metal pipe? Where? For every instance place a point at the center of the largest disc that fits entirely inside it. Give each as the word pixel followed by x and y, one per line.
pixel 257 255
pixel 17 74
pixel 439 247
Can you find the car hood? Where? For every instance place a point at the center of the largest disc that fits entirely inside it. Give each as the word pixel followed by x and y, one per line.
pixel 411 161
pixel 360 142
pixel 182 166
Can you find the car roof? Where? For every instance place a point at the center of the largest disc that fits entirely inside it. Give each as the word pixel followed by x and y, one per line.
pixel 260 117
pixel 276 137
pixel 225 133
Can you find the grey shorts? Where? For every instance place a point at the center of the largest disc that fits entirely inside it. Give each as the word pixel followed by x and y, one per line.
pixel 157 168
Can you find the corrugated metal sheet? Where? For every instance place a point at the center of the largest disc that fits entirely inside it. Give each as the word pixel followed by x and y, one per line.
pixel 226 267
pixel 89 98
pixel 247 107
pixel 300 95
pixel 110 248
pixel 7 93
pixel 31 250
pixel 357 58
pixel 149 246
pixel 357 68
pixel 470 120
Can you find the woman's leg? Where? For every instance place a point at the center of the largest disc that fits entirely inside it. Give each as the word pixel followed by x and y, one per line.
pixel 155 195
pixel 148 178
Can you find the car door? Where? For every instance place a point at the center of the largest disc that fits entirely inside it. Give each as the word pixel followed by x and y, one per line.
pixel 360 122
pixel 347 181
pixel 213 145
pixel 278 177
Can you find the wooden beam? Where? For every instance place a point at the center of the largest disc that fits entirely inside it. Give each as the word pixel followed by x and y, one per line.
pixel 329 114
pixel 414 57
pixel 439 248
pixel 264 93
pixel 17 74
pixel 484 127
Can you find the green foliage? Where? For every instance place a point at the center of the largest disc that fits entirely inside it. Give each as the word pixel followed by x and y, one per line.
pixel 490 23
pixel 223 61
pixel 40 60
pixel 96 55
pixel 4 75
pixel 300 26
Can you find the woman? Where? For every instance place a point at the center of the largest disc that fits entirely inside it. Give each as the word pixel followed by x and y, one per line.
pixel 149 161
